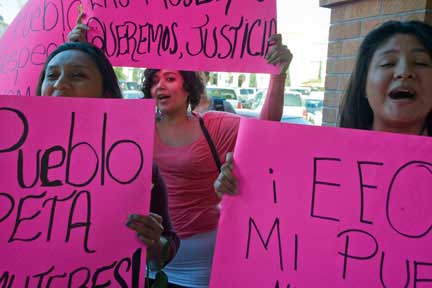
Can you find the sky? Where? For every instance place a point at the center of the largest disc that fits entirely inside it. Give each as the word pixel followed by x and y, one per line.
pixel 9 9
pixel 305 27
pixel 303 24
pixel 292 14
pixel 305 14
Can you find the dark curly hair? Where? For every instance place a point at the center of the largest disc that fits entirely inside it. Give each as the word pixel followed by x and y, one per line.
pixel 355 109
pixel 192 84
pixel 110 84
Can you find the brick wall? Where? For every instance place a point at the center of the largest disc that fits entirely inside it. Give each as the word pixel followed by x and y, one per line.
pixel 350 21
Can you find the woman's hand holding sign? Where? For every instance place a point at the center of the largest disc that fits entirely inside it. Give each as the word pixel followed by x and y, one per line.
pixel 78 33
pixel 226 182
pixel 149 230
pixel 279 53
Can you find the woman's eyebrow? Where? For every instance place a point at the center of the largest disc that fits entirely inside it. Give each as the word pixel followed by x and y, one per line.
pixel 82 66
pixel 170 73
pixel 391 51
pixel 387 52
pixel 420 50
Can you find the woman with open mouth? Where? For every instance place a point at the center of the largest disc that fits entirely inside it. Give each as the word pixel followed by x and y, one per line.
pixel 82 70
pixel 391 86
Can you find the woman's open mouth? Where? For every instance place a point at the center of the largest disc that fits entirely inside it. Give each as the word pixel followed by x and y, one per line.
pixel 162 97
pixel 402 94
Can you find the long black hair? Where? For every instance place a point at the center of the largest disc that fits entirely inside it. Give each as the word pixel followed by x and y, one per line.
pixel 192 84
pixel 110 84
pixel 355 109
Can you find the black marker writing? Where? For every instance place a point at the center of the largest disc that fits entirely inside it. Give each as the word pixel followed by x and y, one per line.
pixel 275 226
pixel 274 187
pixel 317 182
pixel 360 164
pixel 348 254
pixel 420 167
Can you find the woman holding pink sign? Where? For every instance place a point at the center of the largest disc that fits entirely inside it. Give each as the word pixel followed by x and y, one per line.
pixel 189 150
pixel 390 88
pixel 82 70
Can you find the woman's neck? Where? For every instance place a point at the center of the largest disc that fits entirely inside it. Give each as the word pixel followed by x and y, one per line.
pixel 175 118
pixel 413 129
pixel 178 131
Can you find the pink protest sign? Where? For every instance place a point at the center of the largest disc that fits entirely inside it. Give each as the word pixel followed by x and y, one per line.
pixel 36 31
pixel 227 35
pixel 326 207
pixel 72 170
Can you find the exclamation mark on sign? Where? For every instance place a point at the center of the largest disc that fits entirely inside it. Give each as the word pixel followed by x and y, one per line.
pixel 274 187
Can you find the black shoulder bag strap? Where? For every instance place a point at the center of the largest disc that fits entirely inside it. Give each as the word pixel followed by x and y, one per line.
pixel 210 143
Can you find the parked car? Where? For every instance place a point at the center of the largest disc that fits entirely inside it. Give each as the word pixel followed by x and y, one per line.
pixel 314 102
pixel 314 106
pixel 247 96
pixel 317 88
pixel 294 104
pixel 129 85
pixel 302 90
pixel 259 99
pixel 228 94
pixel 315 118
pixel 132 94
pixel 130 90
pixel 285 118
pixel 132 85
pixel 295 120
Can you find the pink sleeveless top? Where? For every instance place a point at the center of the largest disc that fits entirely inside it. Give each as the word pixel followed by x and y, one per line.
pixel 189 173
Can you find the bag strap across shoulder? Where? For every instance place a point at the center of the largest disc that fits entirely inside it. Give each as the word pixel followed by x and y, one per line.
pixel 210 143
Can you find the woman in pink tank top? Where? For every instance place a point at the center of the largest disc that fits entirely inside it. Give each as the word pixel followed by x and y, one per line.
pixel 189 149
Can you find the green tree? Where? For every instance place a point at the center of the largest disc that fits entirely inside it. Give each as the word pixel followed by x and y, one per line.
pixel 320 71
pixel 288 79
pixel 252 80
pixel 137 74
pixel 120 74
